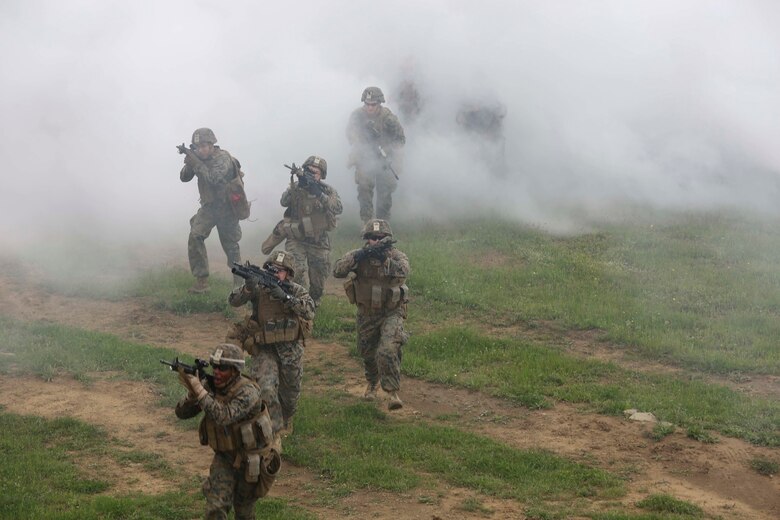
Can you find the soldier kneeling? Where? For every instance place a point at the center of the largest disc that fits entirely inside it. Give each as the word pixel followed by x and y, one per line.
pixel 236 425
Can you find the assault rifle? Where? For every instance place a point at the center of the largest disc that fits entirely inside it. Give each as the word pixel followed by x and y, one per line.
pixel 183 148
pixel 378 251
pixel 265 277
pixel 306 180
pixel 198 369
pixel 387 164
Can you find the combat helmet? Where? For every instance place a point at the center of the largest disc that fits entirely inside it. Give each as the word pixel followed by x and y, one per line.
pixel 281 259
pixel 203 135
pixel 372 95
pixel 319 162
pixel 377 227
pixel 228 354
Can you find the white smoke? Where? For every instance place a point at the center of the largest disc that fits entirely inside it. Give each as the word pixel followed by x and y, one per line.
pixel 668 104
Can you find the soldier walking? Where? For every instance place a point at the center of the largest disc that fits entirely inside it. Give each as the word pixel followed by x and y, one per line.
pixel 376 283
pixel 237 427
pixel 222 202
pixel 312 211
pixel 274 335
pixel 376 138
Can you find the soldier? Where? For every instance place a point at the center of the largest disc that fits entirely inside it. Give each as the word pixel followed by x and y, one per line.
pixel 274 335
pixel 376 283
pixel 312 210
pixel 485 125
pixel 237 427
pixel 376 137
pixel 219 174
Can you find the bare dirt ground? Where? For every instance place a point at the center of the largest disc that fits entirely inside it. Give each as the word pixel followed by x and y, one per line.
pixel 714 476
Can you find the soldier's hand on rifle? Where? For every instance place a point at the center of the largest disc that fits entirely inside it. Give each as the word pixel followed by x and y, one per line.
pixel 185 382
pixel 193 384
pixel 379 253
pixel 278 293
pixel 250 284
pixel 359 255
pixel 314 187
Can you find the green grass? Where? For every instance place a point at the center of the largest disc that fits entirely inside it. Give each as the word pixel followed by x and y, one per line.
pixel 357 446
pixel 537 376
pixel 354 445
pixel 47 350
pixel 167 289
pixel 764 466
pixel 669 504
pixel 701 291
pixel 38 478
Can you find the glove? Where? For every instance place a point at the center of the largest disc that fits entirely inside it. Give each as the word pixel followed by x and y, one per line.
pixel 380 254
pixel 359 255
pixel 313 187
pixel 250 284
pixel 193 384
pixel 278 293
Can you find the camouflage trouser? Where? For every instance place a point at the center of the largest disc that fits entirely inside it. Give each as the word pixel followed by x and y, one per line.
pixel 380 341
pixel 313 259
pixel 226 487
pixel 201 225
pixel 277 368
pixel 385 183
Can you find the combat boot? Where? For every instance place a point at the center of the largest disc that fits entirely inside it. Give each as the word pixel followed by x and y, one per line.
pixel 200 286
pixel 395 402
pixel 370 394
pixel 271 242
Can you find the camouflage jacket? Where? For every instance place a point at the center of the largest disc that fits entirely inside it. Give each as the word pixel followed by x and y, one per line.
pixel 246 404
pixel 383 129
pixel 213 175
pixel 301 302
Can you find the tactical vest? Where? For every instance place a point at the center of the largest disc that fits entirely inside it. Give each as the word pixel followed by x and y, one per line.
pixel 307 219
pixel 276 321
pixel 249 440
pixel 373 292
pixel 254 433
pixel 210 194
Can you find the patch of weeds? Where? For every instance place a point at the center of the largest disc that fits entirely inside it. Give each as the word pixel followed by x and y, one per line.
pixel 661 430
pixel 427 499
pixel 539 513
pixel 473 505
pixel 698 433
pixel 669 504
pixel 765 466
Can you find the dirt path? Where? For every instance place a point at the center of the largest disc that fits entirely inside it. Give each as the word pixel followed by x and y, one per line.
pixel 714 476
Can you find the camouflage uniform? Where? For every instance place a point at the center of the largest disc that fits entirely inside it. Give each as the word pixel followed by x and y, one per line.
pixel 310 247
pixel 213 176
pixel 379 290
pixel 365 132
pixel 276 347
pixel 229 414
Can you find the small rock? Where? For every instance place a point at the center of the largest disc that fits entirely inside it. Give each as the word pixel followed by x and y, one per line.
pixel 643 417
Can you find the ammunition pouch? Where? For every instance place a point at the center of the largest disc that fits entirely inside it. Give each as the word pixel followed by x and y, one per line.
pixel 236 196
pixel 373 296
pixel 349 288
